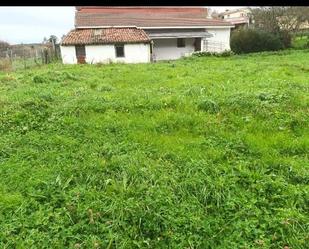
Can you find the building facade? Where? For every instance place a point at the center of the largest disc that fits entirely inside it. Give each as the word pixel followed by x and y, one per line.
pixel 142 34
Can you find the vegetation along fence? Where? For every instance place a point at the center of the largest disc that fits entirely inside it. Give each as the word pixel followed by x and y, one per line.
pixel 26 56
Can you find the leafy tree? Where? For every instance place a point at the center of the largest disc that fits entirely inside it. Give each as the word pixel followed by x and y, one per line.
pixel 4 45
pixel 53 39
pixel 281 21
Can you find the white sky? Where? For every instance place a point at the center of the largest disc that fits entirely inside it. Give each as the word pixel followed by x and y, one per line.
pixel 32 24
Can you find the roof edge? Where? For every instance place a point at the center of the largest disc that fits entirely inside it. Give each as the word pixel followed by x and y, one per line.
pixel 229 25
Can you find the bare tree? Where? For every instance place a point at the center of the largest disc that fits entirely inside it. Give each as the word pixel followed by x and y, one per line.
pixel 281 21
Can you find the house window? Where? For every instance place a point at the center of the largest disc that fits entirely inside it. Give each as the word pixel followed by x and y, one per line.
pixel 181 42
pixel 119 51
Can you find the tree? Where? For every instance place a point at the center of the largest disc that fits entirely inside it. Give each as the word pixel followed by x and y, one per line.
pixel 281 21
pixel 53 39
pixel 4 45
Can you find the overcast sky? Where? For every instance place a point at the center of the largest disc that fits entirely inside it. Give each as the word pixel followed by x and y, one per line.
pixel 32 24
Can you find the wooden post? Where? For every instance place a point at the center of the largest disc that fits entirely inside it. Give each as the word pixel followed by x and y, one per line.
pixel 151 51
pixel 24 59
pixel 42 55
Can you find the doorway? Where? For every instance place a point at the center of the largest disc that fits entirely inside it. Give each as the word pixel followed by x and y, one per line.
pixel 197 44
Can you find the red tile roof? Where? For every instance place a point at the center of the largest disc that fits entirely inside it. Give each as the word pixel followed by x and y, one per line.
pixel 189 10
pixel 145 17
pixel 105 36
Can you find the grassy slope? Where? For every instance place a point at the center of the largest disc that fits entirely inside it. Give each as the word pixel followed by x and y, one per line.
pixel 198 153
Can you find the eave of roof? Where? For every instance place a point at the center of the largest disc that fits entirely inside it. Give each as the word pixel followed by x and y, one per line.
pixel 230 25
pixel 105 36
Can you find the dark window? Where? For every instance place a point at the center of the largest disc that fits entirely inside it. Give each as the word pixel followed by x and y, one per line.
pixel 181 42
pixel 80 51
pixel 119 50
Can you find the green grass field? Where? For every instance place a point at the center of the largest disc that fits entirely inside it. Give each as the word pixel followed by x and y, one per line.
pixel 197 153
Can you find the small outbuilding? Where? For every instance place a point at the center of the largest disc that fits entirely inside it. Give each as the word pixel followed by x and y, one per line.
pixel 104 45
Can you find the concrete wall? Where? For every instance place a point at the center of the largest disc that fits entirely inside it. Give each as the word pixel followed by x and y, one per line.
pixel 133 53
pixel 219 42
pixel 68 54
pixel 166 49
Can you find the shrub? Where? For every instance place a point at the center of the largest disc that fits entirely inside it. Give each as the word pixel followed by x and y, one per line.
pixel 5 65
pixel 225 53
pixel 285 38
pixel 254 40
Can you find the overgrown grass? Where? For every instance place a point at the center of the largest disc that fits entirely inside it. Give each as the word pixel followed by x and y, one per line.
pixel 197 153
pixel 7 65
pixel 300 42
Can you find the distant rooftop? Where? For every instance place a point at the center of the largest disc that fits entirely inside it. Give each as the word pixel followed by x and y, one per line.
pixel 144 16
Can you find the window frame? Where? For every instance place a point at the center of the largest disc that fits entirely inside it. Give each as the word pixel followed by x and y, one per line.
pixel 119 46
pixel 181 42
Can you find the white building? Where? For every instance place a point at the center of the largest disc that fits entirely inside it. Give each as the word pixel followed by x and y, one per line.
pixel 142 34
pixel 238 17
pixel 104 45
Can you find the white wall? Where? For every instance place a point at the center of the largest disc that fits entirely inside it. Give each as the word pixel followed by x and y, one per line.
pixel 68 54
pixel 166 49
pixel 163 49
pixel 134 53
pixel 220 40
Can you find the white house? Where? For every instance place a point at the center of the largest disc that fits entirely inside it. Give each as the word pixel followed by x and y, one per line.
pixel 142 34
pixel 238 17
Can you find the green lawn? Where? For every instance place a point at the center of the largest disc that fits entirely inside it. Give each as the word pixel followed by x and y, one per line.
pixel 196 153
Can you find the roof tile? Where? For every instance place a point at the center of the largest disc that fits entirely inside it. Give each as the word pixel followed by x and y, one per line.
pixel 105 36
pixel 145 17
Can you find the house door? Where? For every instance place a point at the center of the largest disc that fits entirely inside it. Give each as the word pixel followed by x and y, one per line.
pixel 80 54
pixel 197 44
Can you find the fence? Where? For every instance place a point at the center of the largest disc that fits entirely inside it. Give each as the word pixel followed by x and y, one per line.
pixel 25 56
pixel 213 46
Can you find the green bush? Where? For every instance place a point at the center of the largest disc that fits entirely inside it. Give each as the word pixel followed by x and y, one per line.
pixel 253 40
pixel 286 38
pixel 225 53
